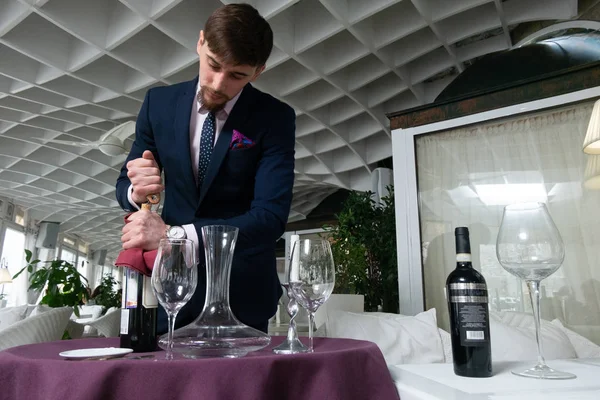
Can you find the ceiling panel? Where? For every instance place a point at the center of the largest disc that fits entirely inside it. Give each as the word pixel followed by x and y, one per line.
pixel 73 69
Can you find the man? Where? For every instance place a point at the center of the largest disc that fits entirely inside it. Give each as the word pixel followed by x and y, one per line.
pixel 227 152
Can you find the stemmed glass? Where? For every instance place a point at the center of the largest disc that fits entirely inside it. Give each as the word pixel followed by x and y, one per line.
pixel 291 344
pixel 174 279
pixel 311 277
pixel 529 246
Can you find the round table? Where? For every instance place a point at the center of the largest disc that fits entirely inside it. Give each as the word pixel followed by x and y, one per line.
pixel 341 369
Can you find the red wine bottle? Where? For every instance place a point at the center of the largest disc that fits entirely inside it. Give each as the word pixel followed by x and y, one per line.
pixel 467 296
pixel 138 312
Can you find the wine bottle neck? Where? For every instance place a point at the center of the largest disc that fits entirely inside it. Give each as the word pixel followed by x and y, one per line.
pixel 463 258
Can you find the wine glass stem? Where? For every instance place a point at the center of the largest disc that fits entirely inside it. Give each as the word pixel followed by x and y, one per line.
pixel 172 318
pixel 311 321
pixel 292 308
pixel 534 294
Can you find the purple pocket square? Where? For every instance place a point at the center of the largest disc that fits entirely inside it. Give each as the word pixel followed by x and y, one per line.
pixel 240 141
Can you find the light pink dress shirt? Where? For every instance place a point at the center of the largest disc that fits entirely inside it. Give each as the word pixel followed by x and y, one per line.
pixel 197 118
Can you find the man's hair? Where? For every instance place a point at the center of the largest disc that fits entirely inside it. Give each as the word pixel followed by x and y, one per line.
pixel 239 35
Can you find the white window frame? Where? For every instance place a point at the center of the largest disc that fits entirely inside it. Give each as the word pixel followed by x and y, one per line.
pixel 408 235
pixel 72 248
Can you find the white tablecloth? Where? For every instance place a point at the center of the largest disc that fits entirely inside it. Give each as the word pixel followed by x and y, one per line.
pixel 438 382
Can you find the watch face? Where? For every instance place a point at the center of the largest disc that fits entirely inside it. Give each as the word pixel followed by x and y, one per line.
pixel 176 232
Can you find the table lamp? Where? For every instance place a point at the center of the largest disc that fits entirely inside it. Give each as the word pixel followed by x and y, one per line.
pixel 591 143
pixel 591 176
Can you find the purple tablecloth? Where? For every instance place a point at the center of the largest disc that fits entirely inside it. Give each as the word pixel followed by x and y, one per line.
pixel 341 369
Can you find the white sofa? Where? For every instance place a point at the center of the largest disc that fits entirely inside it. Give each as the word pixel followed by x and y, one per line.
pixel 417 339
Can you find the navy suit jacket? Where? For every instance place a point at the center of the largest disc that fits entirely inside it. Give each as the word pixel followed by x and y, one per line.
pixel 250 188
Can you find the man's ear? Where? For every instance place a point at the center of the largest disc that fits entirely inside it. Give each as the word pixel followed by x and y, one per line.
pixel 259 71
pixel 200 42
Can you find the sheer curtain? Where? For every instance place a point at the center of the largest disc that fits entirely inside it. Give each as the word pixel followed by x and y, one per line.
pixel 465 178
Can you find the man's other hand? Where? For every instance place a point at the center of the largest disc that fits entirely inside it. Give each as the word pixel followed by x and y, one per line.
pixel 143 230
pixel 144 175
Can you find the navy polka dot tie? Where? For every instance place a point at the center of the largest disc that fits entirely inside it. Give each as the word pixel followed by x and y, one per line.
pixel 206 145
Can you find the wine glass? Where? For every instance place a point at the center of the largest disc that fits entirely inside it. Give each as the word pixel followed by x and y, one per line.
pixel 529 246
pixel 174 279
pixel 311 277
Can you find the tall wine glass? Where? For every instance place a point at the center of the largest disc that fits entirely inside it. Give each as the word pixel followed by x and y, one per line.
pixel 311 277
pixel 529 246
pixel 174 279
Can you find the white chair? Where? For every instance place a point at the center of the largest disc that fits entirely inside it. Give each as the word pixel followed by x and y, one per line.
pixel 43 327
pixel 109 324
pixel 75 330
pixel 87 313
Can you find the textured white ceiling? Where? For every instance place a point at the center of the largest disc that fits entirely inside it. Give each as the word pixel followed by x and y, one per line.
pixel 73 69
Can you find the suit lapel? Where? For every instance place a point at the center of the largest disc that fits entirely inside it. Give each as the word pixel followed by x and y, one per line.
pixel 183 111
pixel 237 117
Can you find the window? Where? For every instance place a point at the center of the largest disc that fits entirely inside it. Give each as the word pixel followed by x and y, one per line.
pixel 20 216
pixel 68 255
pixel 465 178
pixel 13 255
pixel 98 274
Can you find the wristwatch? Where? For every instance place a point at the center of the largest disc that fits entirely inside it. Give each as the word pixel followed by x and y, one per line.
pixel 176 232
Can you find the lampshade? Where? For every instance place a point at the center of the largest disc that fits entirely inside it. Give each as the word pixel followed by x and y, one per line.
pixel 591 176
pixel 5 276
pixel 591 143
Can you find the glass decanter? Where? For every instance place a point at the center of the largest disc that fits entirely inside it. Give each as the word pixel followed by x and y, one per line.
pixel 217 332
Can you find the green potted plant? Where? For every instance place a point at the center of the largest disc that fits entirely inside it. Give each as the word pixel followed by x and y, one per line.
pixel 65 286
pixel 364 249
pixel 106 293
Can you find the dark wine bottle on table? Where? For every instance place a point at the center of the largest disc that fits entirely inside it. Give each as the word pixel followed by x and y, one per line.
pixel 138 312
pixel 466 292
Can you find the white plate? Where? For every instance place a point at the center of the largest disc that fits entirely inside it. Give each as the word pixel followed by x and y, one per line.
pixel 97 353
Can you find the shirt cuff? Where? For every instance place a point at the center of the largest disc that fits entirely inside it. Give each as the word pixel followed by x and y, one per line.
pixel 130 198
pixel 190 232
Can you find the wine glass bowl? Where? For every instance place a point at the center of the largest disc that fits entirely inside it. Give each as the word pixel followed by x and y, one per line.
pixel 311 277
pixel 530 247
pixel 174 280
pixel 311 296
pixel 529 244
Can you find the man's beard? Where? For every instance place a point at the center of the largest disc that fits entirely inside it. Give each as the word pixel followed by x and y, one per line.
pixel 210 104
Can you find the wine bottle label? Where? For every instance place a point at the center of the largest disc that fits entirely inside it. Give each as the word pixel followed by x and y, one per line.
pixel 463 257
pixel 465 286
pixel 471 302
pixel 469 299
pixel 130 288
pixel 149 299
pixel 473 324
pixel 468 293
pixel 124 321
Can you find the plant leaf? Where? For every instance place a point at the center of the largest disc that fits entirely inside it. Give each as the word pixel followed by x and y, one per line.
pixel 28 255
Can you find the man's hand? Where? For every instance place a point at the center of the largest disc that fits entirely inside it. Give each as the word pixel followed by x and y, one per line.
pixel 144 230
pixel 144 175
